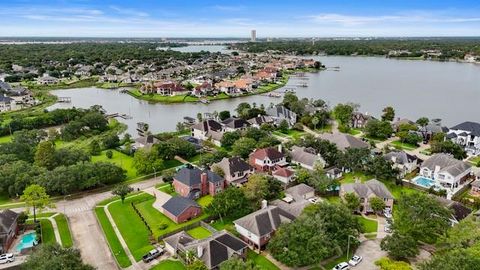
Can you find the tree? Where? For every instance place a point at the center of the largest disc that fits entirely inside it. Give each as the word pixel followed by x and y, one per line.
pixel 377 204
pixel 315 122
pixel 231 204
pixel 45 155
pixel 256 188
pixel 109 154
pixel 243 109
pixel 199 117
pixel 196 265
pixel 388 114
pixel 324 227
pixel 456 259
pixel 238 264
pixel 243 147
pixel 224 115
pixel 35 196
pixel 147 161
pixel 422 121
pixel 95 148
pixel 343 113
pixel 283 126
pixel 229 138
pixel 381 168
pixel 111 141
pixel 122 190
pixel 352 201
pixel 378 129
pixel 49 256
pixel 400 246
pixel 448 147
pixel 218 170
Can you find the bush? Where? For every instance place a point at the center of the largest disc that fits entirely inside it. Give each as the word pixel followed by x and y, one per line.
pixel 162 226
pixel 109 154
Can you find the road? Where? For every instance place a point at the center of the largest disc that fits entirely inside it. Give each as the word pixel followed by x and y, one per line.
pixel 87 233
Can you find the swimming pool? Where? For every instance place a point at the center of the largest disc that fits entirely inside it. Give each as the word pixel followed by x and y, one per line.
pixel 28 240
pixel 424 182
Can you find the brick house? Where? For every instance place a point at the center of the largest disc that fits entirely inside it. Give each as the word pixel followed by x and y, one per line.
pixel 266 159
pixel 180 209
pixel 8 229
pixel 193 183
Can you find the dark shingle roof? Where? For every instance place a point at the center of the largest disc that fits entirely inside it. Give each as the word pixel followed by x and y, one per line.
pixel 192 176
pixel 265 220
pixel 231 242
pixel 7 219
pixel 178 204
pixel 235 123
pixel 473 127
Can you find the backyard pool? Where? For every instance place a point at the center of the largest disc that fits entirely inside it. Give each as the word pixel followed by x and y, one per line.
pixel 28 240
pixel 424 182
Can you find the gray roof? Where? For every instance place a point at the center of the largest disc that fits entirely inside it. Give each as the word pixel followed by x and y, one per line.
pixel 400 157
pixel 447 164
pixel 298 192
pixel 364 190
pixel 300 155
pixel 178 204
pixel 5 86
pixel 261 119
pixel 235 123
pixel 192 176
pixel 233 165
pixel 7 219
pixel 181 238
pixel 472 127
pixel 208 125
pixel 282 112
pixel 264 221
pixel 4 98
pixel 343 141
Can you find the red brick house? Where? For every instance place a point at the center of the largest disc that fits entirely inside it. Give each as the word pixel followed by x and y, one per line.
pixel 180 209
pixel 266 159
pixel 194 183
pixel 8 229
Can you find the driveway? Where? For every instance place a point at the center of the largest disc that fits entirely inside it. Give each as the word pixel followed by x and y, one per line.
pixel 371 252
pixel 161 197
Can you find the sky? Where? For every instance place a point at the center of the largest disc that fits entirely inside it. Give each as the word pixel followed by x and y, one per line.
pixel 279 18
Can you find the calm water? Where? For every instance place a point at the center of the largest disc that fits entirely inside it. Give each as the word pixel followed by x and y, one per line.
pixel 450 91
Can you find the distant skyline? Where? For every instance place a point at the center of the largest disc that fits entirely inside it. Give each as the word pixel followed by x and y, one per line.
pixel 280 18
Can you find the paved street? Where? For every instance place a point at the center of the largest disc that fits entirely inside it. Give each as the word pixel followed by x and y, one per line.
pixel 371 252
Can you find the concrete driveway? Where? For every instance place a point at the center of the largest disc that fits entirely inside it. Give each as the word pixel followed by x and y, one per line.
pixel 371 252
pixel 161 197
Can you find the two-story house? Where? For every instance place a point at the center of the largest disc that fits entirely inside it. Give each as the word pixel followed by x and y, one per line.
pixel 8 229
pixel 236 170
pixel 366 191
pixel 208 130
pixel 403 161
pixel 267 159
pixel 233 124
pixel 306 158
pixel 466 134
pixel 359 120
pixel 446 170
pixel 193 183
pixel 280 113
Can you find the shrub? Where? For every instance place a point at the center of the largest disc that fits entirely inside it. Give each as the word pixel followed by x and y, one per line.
pixel 109 154
pixel 163 226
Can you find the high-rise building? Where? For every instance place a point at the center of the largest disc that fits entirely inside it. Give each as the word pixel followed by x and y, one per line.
pixel 253 36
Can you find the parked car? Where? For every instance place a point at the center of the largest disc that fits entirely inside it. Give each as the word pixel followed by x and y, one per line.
pixel 355 260
pixel 7 258
pixel 341 266
pixel 152 255
pixel 387 212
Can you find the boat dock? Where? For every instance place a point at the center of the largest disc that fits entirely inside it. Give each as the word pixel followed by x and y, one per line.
pixel 64 100
pixel 123 116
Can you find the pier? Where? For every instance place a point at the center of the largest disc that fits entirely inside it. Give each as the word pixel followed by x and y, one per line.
pixel 64 99
pixel 115 115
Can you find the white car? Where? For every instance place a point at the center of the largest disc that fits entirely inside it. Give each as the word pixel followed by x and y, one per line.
pixel 341 266
pixel 355 260
pixel 7 258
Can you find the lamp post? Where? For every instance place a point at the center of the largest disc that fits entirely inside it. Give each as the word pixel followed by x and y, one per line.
pixel 348 246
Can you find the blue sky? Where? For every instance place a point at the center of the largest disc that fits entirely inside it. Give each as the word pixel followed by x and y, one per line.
pixel 279 18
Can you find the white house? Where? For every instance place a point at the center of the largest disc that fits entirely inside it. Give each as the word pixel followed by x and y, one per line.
pixel 466 134
pixel 446 170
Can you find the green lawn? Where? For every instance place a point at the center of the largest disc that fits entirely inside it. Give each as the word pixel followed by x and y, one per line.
pixel 332 264
pixel 64 230
pixel 475 160
pixel 167 188
pixel 404 146
pixel 5 139
pixel 205 200
pixel 199 232
pixel 119 159
pixel 131 226
pixel 260 261
pixel 369 226
pixel 169 265
pixel 167 164
pixel 324 129
pixel 354 131
pixel 48 236
pixel 113 242
pixel 227 224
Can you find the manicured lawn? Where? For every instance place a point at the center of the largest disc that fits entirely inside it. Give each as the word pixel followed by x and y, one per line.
pixel 324 129
pixel 227 224
pixel 261 262
pixel 205 200
pixel 351 177
pixel 48 236
pixel 396 190
pixel 64 230
pixel 369 226
pixel 334 199
pixel 195 159
pixel 167 188
pixel 475 160
pixel 156 219
pixel 119 159
pixel 404 146
pixel 169 265
pixel 354 131
pixel 131 226
pixel 113 242
pixel 5 139
pixel 167 164
pixel 199 232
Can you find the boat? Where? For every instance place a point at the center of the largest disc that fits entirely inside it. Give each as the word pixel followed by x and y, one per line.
pixel 204 101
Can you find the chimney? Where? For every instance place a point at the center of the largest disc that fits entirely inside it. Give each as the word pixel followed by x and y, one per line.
pixel 204 183
pixel 264 204
pixel 199 251
pixel 280 148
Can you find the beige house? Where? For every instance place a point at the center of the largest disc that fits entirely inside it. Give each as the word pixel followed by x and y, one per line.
pixel 366 191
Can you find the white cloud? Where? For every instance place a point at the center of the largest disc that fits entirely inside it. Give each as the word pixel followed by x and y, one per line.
pixel 129 12
pixel 228 8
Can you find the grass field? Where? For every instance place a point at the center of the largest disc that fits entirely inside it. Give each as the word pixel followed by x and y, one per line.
pixel 119 159
pixel 261 262
pixel 369 226
pixel 475 161
pixel 169 265
pixel 404 146
pixel 64 230
pixel 113 242
pixel 199 233
pixel 396 190
pixel 48 236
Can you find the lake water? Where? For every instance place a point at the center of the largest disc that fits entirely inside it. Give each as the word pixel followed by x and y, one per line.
pixel 450 91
